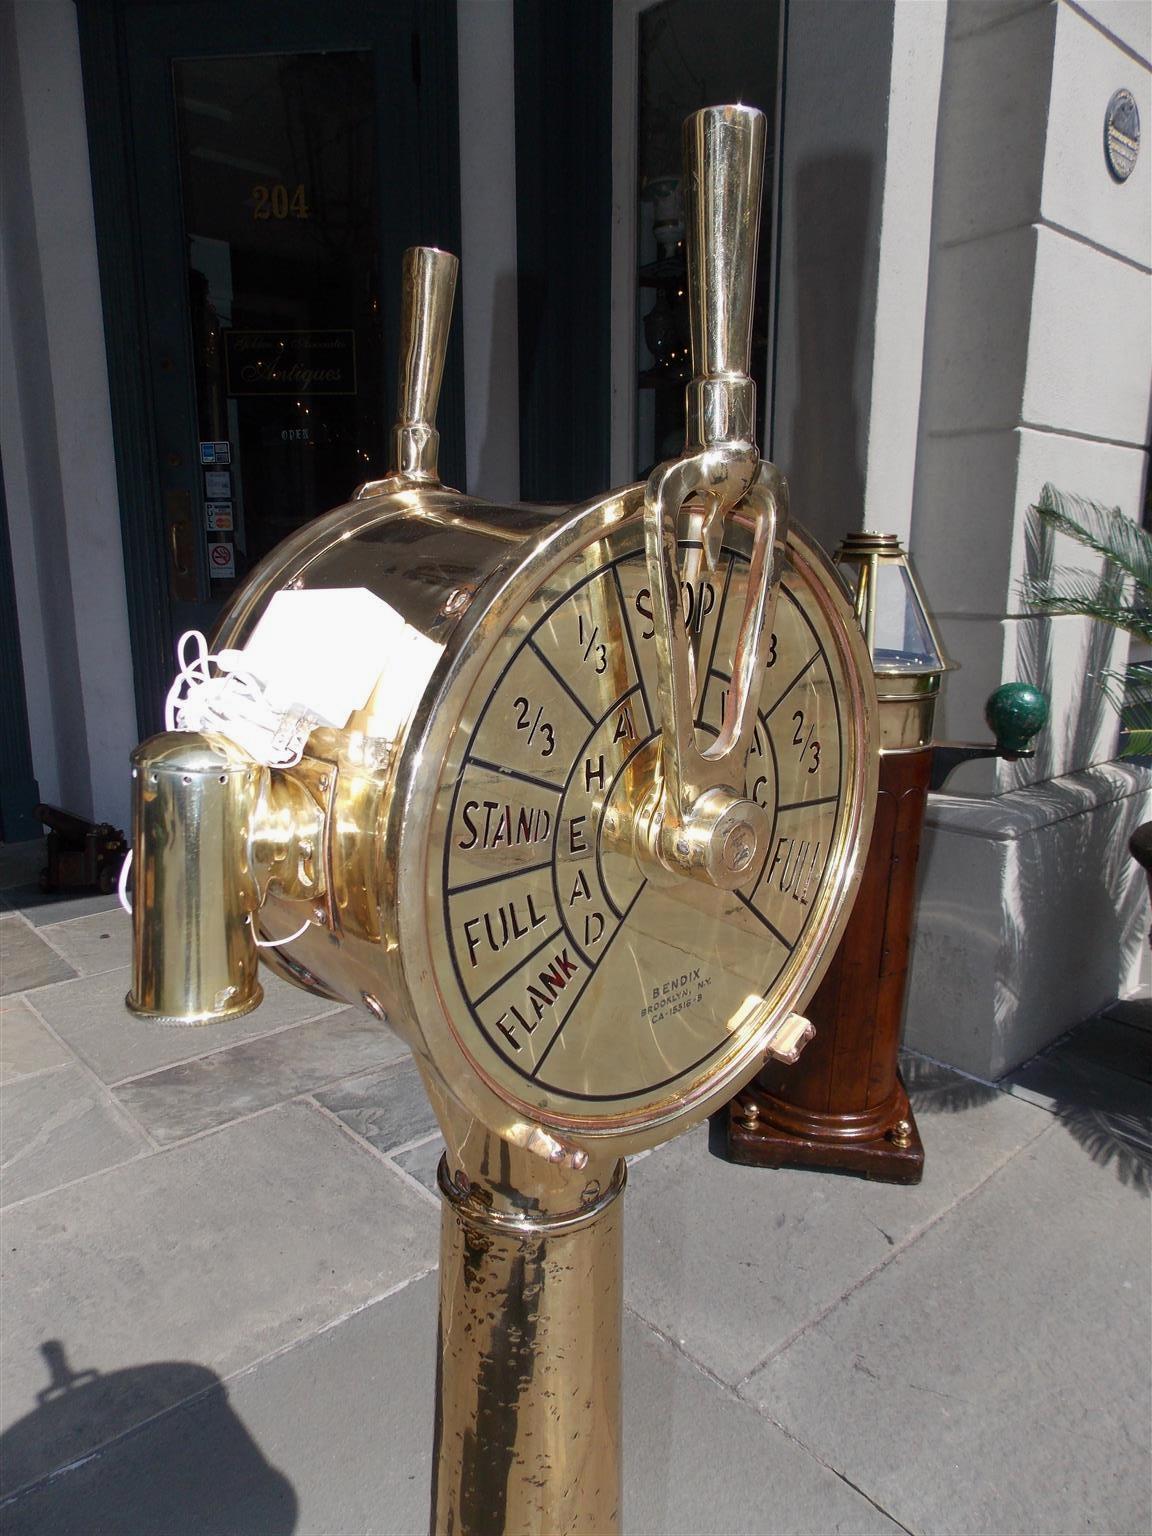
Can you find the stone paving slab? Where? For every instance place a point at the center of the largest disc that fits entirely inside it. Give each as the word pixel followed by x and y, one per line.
pixel 729 1261
pixel 90 1015
pixel 996 1378
pixel 59 1126
pixel 422 1161
pixel 90 945
pixel 217 1252
pixel 25 1045
pixel 25 960
pixel 334 1438
pixel 697 1464
pixel 198 1095
pixel 330 1438
pixel 388 1108
pixel 44 907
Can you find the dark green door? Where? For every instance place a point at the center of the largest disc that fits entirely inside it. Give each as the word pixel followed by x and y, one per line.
pixel 280 158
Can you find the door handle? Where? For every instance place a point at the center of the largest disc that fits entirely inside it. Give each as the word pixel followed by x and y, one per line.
pixel 179 568
pixel 182 582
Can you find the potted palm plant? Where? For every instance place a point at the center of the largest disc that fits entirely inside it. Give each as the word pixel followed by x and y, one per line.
pixel 1121 596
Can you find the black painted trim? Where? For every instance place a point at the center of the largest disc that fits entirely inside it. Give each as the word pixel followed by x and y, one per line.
pixel 563 71
pixel 19 792
pixel 122 295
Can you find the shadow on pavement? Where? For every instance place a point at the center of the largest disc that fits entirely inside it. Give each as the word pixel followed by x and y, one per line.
pixel 194 1471
pixel 1111 1139
pixel 1107 1111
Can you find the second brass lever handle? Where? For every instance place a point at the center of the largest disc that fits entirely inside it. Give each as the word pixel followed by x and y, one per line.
pixel 428 288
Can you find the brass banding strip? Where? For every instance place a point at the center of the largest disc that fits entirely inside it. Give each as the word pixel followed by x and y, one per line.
pixel 518 1222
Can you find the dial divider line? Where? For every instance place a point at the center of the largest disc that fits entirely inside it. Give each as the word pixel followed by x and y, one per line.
pixel 592 969
pixel 771 927
pixel 796 805
pixel 507 874
pixel 652 725
pixel 811 662
pixel 579 703
pixel 514 773
pixel 520 964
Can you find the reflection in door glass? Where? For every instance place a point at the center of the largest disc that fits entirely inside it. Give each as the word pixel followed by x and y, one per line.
pixel 278 179
pixel 691 56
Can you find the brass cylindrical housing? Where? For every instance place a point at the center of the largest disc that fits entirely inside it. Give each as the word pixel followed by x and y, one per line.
pixel 528 1431
pixel 907 709
pixel 194 955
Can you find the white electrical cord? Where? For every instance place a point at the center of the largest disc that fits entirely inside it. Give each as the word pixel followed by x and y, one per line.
pixel 122 883
pixel 275 943
pixel 233 703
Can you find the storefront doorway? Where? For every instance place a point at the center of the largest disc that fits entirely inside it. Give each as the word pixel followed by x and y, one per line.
pixel 258 171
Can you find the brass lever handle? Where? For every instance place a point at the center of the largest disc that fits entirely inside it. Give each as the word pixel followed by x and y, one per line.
pixel 723 177
pixel 701 823
pixel 428 289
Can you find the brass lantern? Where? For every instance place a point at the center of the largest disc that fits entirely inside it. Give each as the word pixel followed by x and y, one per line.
pixel 907 653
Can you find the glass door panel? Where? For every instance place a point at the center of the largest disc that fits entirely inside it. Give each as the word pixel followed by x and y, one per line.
pixel 692 56
pixel 280 200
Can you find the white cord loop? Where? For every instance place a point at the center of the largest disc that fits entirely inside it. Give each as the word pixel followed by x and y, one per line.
pixel 276 943
pixel 122 883
pixel 233 703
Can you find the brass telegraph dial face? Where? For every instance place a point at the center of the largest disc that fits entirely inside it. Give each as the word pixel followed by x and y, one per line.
pixel 583 983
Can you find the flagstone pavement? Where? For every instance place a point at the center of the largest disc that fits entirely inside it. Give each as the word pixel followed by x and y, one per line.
pixel 219 1293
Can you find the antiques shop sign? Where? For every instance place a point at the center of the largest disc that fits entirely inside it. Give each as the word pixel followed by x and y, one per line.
pixel 290 362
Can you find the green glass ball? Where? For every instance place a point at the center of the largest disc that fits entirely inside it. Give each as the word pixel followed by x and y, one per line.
pixel 1015 712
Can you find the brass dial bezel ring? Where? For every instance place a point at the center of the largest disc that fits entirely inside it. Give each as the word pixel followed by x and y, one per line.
pixel 414 806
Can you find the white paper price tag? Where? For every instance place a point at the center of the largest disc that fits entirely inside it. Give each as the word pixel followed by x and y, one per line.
pixel 322 653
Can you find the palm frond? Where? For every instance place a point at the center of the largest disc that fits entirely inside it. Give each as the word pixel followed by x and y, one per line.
pixel 1104 529
pixel 1067 590
pixel 1119 595
pixel 1130 690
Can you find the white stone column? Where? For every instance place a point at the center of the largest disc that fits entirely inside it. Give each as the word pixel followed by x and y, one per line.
pixel 1037 368
pixel 56 428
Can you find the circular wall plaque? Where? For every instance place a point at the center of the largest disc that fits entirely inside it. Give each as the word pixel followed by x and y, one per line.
pixel 1121 134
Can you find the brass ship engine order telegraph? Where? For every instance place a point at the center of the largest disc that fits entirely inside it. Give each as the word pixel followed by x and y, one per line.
pixel 579 802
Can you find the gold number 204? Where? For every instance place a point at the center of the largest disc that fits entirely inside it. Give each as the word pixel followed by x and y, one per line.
pixel 278 202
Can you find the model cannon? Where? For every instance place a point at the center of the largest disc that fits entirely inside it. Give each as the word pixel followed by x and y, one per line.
pixel 578 801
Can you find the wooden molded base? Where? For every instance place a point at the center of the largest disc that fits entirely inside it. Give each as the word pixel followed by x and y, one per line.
pixel 760 1144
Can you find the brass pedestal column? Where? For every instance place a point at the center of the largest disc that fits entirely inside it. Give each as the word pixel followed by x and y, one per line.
pixel 528 1350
